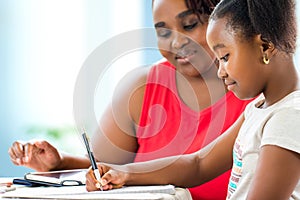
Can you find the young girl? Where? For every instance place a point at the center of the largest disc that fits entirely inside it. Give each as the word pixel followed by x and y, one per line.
pixel 254 42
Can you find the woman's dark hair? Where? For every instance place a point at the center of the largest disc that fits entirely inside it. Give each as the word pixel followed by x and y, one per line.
pixel 200 7
pixel 275 20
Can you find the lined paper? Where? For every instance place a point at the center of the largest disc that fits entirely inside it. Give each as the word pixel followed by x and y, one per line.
pixel 79 192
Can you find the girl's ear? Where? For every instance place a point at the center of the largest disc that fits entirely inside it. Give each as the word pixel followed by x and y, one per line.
pixel 267 48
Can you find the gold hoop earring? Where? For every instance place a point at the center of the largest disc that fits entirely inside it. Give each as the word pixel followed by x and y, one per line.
pixel 266 60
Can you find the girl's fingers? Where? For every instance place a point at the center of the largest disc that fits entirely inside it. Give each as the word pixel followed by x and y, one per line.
pixel 91 182
pixel 112 178
pixel 89 186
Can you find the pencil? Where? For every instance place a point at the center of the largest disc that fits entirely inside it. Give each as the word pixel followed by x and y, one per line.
pixel 92 158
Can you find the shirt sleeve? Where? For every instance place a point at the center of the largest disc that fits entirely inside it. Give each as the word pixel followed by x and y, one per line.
pixel 283 130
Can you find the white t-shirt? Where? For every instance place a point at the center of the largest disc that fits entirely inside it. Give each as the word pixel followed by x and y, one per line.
pixel 277 125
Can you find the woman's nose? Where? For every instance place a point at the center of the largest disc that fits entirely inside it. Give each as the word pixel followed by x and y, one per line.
pixel 179 40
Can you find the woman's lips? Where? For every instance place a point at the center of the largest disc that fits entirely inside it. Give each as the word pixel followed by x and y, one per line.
pixel 184 59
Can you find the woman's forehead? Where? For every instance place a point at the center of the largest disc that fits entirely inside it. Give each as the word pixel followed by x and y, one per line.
pixel 164 10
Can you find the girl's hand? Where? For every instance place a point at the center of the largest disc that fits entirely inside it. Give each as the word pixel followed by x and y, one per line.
pixel 110 178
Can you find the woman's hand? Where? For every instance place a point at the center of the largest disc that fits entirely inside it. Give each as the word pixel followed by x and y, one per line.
pixel 110 178
pixel 38 155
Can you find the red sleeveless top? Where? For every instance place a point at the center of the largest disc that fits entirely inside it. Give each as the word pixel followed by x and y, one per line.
pixel 169 127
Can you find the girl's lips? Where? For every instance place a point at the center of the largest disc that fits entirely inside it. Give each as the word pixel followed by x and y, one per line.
pixel 230 87
pixel 229 84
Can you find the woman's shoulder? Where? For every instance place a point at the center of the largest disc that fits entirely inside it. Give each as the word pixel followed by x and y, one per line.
pixel 137 78
pixel 131 88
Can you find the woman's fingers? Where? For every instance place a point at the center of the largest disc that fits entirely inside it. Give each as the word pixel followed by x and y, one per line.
pixel 43 144
pixel 13 156
pixel 16 152
pixel 28 149
pixel 21 153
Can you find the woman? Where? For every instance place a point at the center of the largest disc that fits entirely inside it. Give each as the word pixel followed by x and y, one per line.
pixel 254 42
pixel 178 107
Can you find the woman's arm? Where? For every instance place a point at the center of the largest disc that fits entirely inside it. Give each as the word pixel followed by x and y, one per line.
pixel 184 171
pixel 115 140
pixel 42 156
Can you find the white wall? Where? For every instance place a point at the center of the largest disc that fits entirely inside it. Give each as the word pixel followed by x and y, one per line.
pixel 43 46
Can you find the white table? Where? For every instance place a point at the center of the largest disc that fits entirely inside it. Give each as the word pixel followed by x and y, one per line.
pixel 79 192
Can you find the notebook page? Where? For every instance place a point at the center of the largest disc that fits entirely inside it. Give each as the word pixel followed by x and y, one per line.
pixel 166 189
pixel 57 177
pixel 57 192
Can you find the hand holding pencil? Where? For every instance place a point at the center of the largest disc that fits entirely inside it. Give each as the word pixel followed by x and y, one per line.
pixel 92 159
pixel 111 178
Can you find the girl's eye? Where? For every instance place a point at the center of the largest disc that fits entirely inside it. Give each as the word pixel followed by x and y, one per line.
pixel 191 26
pixel 163 32
pixel 224 58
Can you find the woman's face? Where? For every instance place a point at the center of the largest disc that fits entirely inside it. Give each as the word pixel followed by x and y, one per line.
pixel 240 60
pixel 182 37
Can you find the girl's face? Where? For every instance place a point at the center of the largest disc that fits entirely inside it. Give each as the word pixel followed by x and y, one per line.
pixel 240 61
pixel 182 37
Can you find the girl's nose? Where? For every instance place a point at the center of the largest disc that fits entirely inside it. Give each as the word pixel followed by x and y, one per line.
pixel 222 74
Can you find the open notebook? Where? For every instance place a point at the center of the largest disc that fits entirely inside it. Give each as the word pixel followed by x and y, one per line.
pixel 79 192
pixel 75 180
pixel 54 178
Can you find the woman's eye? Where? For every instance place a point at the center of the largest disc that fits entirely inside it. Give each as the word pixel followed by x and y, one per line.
pixel 224 58
pixel 163 32
pixel 191 26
